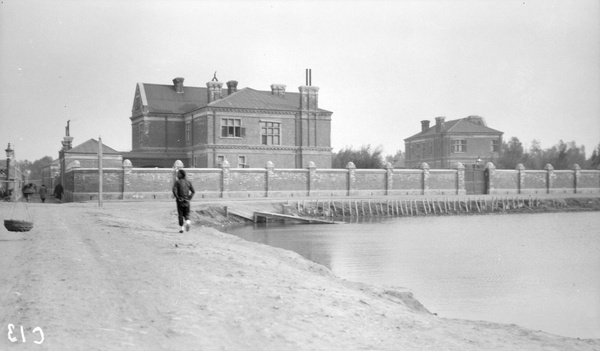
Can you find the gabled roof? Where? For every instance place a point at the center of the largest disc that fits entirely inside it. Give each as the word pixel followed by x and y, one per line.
pixel 91 147
pixel 459 126
pixel 164 99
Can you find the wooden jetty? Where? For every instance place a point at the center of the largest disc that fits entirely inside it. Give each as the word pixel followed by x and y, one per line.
pixel 263 217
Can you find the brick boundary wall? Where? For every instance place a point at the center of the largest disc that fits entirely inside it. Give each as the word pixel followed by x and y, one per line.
pixel 547 181
pixel 128 183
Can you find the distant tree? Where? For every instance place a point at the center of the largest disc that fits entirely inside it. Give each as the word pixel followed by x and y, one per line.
pixel 397 159
pixel 565 155
pixel 35 167
pixel 594 161
pixel 512 154
pixel 534 158
pixel 365 157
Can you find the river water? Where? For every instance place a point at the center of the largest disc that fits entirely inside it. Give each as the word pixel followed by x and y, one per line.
pixel 540 271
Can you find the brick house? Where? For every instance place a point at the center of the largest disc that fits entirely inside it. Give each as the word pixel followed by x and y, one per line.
pixel 467 140
pixel 85 155
pixel 203 126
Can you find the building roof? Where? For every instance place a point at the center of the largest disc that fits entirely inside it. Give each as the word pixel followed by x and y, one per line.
pixel 91 147
pixel 467 125
pixel 162 98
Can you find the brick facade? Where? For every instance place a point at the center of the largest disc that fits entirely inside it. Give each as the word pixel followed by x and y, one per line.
pixel 204 126
pixel 127 182
pixel 467 140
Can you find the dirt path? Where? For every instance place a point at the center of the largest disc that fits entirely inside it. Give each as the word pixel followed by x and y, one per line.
pixel 122 278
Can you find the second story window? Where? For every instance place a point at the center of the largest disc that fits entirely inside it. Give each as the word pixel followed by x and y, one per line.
pixel 231 128
pixel 270 133
pixel 459 145
pixel 188 132
pixel 495 145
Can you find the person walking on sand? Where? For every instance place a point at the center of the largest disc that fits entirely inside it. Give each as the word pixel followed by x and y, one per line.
pixel 183 191
pixel 43 193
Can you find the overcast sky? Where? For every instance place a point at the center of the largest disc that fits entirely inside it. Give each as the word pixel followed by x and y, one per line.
pixel 531 68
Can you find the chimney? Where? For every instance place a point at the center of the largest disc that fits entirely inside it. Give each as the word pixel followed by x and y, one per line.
pixel 278 90
pixel 231 87
pixel 439 124
pixel 178 84
pixel 309 97
pixel 214 90
pixel 424 126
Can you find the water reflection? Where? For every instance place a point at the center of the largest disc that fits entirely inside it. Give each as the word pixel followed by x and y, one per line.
pixel 540 271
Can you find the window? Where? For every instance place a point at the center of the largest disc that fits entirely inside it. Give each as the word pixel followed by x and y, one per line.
pixel 242 162
pixel 496 145
pixel 270 133
pixel 188 132
pixel 459 145
pixel 417 151
pixel 231 128
pixel 140 133
pixel 220 160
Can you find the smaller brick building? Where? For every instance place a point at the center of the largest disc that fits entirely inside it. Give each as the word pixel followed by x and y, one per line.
pixel 467 140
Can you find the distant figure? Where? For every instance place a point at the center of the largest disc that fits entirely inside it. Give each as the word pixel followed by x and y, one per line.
pixel 43 193
pixel 28 191
pixel 58 192
pixel 215 77
pixel 183 191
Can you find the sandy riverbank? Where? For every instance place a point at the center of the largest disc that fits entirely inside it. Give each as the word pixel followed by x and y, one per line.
pixel 121 277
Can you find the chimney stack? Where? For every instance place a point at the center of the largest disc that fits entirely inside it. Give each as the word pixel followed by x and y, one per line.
pixel 439 124
pixel 278 90
pixel 424 126
pixel 231 87
pixel 214 90
pixel 178 84
pixel 309 97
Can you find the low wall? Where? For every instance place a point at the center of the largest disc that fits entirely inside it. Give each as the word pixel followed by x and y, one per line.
pixel 547 181
pixel 127 183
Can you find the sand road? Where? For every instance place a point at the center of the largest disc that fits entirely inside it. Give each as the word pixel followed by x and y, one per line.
pixel 121 277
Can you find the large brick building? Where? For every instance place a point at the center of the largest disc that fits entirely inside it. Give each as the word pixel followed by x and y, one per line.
pixel 467 140
pixel 203 126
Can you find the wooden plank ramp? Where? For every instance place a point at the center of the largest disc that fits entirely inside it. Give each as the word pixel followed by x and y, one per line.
pixel 248 215
pixel 261 217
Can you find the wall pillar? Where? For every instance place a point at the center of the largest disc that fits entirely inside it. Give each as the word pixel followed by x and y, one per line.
pixel 521 177
pixel 270 173
pixel 126 178
pixel 549 178
pixel 225 179
pixel 351 178
pixel 389 178
pixel 312 174
pixel 425 168
pixel 576 176
pixel 460 179
pixel 490 171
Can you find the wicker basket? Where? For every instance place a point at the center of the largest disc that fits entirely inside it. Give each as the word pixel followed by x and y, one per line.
pixel 14 225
